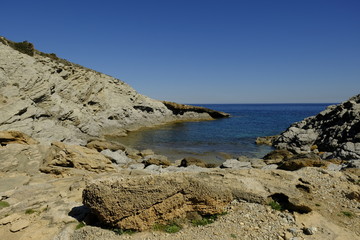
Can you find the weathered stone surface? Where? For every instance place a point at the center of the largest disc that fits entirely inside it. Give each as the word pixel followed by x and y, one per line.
pixel 268 140
pixel 185 162
pixel 277 156
pixel 61 155
pixel 254 162
pixel 11 137
pixel 9 219
pixel 22 158
pixel 335 130
pixel 158 160
pixel 101 145
pixel 19 225
pixel 354 163
pixel 119 157
pixel 295 164
pixel 235 164
pixel 146 152
pixel 138 203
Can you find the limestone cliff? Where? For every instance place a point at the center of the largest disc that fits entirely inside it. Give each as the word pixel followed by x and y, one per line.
pixel 334 131
pixel 52 99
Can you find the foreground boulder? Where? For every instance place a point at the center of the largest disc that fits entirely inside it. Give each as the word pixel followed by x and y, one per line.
pixel 334 132
pixel 138 203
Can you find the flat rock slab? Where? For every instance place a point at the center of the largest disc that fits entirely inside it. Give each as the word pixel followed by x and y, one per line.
pixel 19 225
pixel 9 219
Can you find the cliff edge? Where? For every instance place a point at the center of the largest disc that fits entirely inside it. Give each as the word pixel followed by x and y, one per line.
pixel 52 99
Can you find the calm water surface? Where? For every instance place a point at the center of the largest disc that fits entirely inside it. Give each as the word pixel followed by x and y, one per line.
pixel 209 140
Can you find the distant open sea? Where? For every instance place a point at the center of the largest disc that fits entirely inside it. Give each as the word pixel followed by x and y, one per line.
pixel 209 140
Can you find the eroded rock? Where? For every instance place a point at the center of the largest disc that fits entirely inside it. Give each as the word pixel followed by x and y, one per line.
pixel 12 137
pixel 62 156
pixel 138 203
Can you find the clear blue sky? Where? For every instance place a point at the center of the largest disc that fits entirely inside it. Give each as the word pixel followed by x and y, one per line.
pixel 204 51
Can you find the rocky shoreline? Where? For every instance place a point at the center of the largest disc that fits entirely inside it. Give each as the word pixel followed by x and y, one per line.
pixel 61 179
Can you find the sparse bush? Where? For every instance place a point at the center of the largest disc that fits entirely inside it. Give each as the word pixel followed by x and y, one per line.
pixel 30 211
pixel 169 228
pixel 80 225
pixel 348 214
pixel 275 205
pixel 207 219
pixel 4 204
pixel 24 47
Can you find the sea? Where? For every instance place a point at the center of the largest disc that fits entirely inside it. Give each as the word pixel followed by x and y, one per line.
pixel 217 140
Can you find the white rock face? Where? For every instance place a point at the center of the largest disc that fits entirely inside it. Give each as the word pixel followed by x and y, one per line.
pixel 54 100
pixel 335 131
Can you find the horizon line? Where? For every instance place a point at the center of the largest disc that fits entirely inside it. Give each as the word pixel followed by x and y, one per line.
pixel 330 103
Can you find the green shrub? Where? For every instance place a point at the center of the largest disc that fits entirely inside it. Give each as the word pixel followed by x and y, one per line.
pixel 4 204
pixel 24 47
pixel 275 205
pixel 207 219
pixel 30 211
pixel 233 235
pixel 80 225
pixel 169 228
pixel 202 222
pixel 348 214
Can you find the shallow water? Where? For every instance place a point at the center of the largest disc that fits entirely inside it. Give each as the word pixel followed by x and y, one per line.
pixel 209 140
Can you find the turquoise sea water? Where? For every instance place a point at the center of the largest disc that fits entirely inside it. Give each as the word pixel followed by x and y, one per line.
pixel 235 135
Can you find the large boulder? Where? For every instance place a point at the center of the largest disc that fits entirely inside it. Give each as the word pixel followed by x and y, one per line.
pixel 334 132
pixel 140 202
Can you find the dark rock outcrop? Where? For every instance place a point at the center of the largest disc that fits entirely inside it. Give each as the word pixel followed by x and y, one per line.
pixel 335 132
pixel 188 161
pixel 180 109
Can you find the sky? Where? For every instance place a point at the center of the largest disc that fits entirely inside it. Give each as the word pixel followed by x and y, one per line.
pixel 204 51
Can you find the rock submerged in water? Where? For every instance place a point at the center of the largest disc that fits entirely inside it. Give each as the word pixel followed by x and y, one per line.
pixel 335 132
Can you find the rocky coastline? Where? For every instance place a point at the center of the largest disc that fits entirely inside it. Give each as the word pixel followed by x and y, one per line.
pixel 61 179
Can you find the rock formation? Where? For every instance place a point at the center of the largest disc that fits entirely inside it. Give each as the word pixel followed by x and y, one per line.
pixel 139 203
pixel 334 132
pixel 34 205
pixel 51 99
